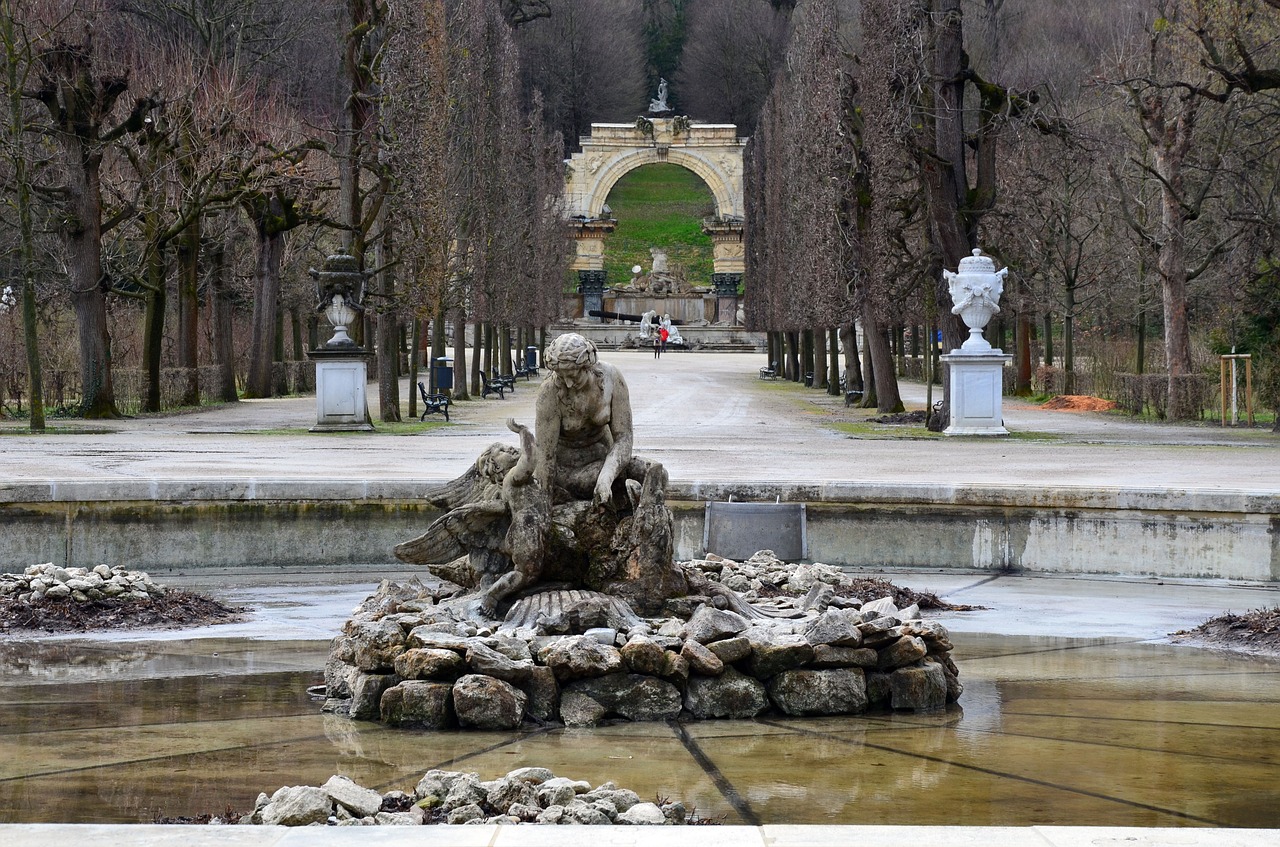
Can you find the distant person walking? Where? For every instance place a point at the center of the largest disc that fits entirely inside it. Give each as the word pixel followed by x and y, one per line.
pixel 660 342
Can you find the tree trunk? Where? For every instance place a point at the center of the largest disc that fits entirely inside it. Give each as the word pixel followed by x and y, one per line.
pixel 888 400
pixel 223 325
pixel 1022 341
pixel 1048 339
pixel 83 245
pixel 188 254
pixel 155 300
pixel 833 361
pixel 852 364
pixel 793 357
pixel 266 286
pixel 388 332
pixel 26 237
pixel 460 370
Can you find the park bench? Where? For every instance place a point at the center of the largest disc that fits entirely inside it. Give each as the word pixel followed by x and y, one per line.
pixel 487 387
pixel 506 381
pixel 433 403
pixel 771 372
pixel 851 398
pixel 526 372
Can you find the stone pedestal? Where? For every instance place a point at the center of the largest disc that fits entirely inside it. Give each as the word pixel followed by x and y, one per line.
pixel 976 392
pixel 341 401
pixel 591 285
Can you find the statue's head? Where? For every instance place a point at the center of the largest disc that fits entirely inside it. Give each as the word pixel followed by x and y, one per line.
pixel 570 352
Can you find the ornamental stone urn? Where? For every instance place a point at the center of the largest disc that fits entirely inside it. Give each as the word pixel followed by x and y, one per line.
pixel 975 369
pixel 340 292
pixel 341 365
pixel 975 289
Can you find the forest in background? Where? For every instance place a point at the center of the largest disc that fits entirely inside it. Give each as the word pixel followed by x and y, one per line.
pixel 171 168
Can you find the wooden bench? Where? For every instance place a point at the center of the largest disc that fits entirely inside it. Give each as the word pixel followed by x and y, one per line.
pixel 525 371
pixel 487 387
pixel 770 372
pixel 433 403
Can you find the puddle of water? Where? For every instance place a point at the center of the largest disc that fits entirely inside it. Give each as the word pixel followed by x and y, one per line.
pixel 1050 731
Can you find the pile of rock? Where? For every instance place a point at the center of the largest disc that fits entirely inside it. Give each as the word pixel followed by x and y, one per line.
pixel 527 795
pixel 82 585
pixel 407 661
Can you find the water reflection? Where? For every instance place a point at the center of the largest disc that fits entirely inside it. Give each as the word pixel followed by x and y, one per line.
pixel 1052 731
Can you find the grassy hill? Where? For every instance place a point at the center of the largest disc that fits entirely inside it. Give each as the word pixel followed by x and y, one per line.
pixel 659 206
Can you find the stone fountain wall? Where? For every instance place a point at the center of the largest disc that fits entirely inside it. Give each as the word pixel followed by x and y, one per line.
pixel 399 662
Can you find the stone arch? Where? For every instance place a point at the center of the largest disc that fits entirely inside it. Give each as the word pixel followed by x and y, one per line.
pixel 727 196
pixel 711 151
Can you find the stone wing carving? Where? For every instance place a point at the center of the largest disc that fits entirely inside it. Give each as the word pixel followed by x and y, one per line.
pixel 459 531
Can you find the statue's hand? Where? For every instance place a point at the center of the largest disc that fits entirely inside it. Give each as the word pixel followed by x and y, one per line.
pixel 604 492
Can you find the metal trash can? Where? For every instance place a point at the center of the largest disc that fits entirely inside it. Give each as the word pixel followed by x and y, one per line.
pixel 444 374
pixel 531 358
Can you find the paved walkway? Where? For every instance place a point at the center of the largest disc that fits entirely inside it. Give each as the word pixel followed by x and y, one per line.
pixel 707 417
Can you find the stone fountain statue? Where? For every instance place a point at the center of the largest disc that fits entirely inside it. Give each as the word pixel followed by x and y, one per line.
pixel 976 368
pixel 563 601
pixel 571 505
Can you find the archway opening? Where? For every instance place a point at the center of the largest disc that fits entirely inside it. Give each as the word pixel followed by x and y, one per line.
pixel 660 205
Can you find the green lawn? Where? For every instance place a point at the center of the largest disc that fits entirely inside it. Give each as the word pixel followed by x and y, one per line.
pixel 659 206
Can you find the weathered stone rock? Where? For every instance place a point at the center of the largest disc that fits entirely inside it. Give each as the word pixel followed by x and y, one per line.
pixel 881 606
pixel 877 631
pixel 361 802
pixel 827 656
pixel 641 655
pixel 922 687
pixel 631 696
pixel 578 709
pixel 418 703
pixel 952 673
pixel 903 652
pixel 730 695
pixel 586 814
pixel 675 813
pixel 935 635
pixel 483 702
pixel 835 626
pixel 730 650
pixel 819 692
pixel 429 663
pixel 910 613
pixel 775 652
pixel 436 783
pixel 556 795
pixel 643 814
pixel 413 817
pixel 576 657
pixel 544 693
pixel 424 636
pixel 297 806
pixel 514 648
pixel 464 790
pixel 701 659
pixel 877 688
pixel 711 624
pixel 503 792
pixel 552 814
pixel 532 776
pixel 366 694
pixel 619 799
pixel 485 660
pixel 465 814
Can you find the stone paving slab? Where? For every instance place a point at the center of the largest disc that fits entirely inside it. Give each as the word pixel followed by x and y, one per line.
pixel 707 417
pixel 89 835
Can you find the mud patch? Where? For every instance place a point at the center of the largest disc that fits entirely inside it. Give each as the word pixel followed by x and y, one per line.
pixel 173 610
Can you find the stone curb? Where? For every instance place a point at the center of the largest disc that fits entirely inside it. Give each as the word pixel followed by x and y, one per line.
pixel 1236 501
pixel 96 835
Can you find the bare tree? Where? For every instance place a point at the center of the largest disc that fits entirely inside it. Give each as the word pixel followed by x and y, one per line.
pixel 732 51
pixel 81 97
pixel 588 61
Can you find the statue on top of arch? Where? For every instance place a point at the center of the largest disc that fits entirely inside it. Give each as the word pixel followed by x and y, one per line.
pixel 659 106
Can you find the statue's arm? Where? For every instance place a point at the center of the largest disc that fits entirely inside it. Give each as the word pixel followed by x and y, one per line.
pixel 620 428
pixel 547 427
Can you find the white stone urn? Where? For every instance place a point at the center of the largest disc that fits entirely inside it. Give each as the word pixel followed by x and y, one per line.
pixel 975 290
pixel 340 315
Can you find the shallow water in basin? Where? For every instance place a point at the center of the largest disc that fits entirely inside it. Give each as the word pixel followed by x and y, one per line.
pixel 1049 731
